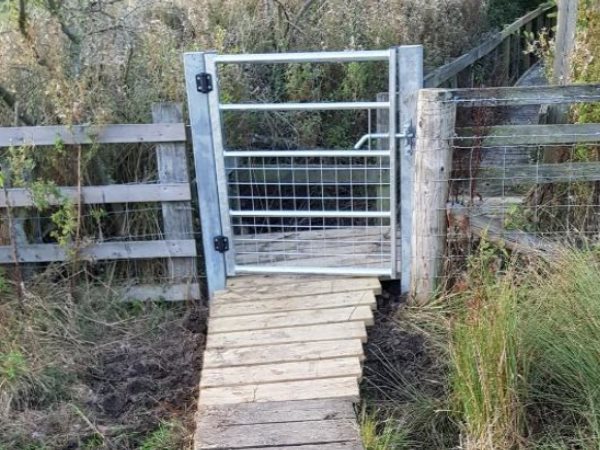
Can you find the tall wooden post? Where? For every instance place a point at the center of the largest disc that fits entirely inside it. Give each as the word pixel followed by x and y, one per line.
pixel 173 168
pixel 565 40
pixel 436 119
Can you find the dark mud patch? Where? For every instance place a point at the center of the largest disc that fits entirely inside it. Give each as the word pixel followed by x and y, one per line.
pixel 141 382
pixel 401 362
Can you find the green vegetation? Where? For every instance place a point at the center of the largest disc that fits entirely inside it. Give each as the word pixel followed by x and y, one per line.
pixel 520 360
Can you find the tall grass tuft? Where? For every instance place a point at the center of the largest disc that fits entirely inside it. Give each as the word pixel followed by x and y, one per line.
pixel 561 336
pixel 485 368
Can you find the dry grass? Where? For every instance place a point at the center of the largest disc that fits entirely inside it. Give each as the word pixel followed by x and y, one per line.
pixel 81 369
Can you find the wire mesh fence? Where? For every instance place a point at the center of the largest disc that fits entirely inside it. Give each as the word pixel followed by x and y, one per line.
pixel 499 172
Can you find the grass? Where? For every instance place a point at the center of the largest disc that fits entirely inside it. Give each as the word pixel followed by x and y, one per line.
pixel 521 347
pixel 70 351
pixel 382 434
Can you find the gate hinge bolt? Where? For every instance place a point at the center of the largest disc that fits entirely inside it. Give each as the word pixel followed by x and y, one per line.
pixel 221 243
pixel 204 82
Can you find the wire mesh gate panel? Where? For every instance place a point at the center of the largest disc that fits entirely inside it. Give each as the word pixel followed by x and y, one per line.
pixel 287 208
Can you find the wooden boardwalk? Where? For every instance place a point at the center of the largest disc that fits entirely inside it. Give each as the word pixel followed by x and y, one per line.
pixel 282 363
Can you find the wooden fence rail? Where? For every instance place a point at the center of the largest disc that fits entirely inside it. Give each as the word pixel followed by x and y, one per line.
pixel 437 139
pixel 510 44
pixel 172 191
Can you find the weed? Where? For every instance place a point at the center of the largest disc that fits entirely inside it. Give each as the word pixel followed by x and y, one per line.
pixel 382 434
pixel 168 436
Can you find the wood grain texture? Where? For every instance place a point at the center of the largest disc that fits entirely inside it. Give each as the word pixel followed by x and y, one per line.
pixel 269 354
pixel 223 308
pixel 249 289
pixel 293 390
pixel 91 134
pixel 279 434
pixel 172 167
pixel 310 333
pixel 268 321
pixel 103 251
pixel 433 164
pixel 283 371
pixel 96 195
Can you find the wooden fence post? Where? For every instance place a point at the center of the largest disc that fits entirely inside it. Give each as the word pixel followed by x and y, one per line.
pixel 565 40
pixel 173 168
pixel 436 119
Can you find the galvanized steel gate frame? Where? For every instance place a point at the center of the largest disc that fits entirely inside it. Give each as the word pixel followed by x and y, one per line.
pixel 202 84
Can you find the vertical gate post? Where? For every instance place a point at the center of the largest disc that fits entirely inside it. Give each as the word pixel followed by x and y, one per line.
pixel 206 177
pixel 173 168
pixel 436 119
pixel 410 72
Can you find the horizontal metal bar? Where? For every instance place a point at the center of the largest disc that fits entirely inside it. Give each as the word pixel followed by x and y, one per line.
pixel 305 153
pixel 312 57
pixel 366 137
pixel 308 106
pixel 318 214
pixel 314 270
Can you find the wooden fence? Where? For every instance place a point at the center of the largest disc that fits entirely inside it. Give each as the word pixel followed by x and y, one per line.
pixel 172 192
pixel 506 49
pixel 438 139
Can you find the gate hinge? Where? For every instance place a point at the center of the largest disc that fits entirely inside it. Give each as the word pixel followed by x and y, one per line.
pixel 221 243
pixel 204 82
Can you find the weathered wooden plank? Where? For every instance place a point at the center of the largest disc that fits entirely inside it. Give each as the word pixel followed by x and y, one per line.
pixel 103 251
pixel 310 333
pixel 223 308
pixel 95 195
pixel 172 168
pixel 166 292
pixel 279 372
pixel 346 388
pixel 512 135
pixel 278 434
pixel 270 354
pixel 350 445
pixel 526 95
pixel 290 319
pixel 530 174
pixel 275 412
pixel 90 134
pixel 248 290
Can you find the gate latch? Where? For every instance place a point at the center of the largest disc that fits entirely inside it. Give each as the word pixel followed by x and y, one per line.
pixel 221 243
pixel 204 82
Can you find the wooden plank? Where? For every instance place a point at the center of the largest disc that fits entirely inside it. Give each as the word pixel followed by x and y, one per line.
pixel 278 434
pixel 223 308
pixel 248 290
pixel 206 179
pixel 103 251
pixel 270 354
pixel 433 164
pixel 531 174
pixel 96 195
pixel 290 319
pixel 526 95
pixel 565 40
pixel 275 412
pixel 166 292
pixel 172 167
pixel 346 388
pixel 91 134
pixel 350 445
pixel 287 371
pixel 513 135
pixel 304 334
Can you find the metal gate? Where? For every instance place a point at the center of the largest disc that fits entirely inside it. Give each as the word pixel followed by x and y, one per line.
pixel 299 210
